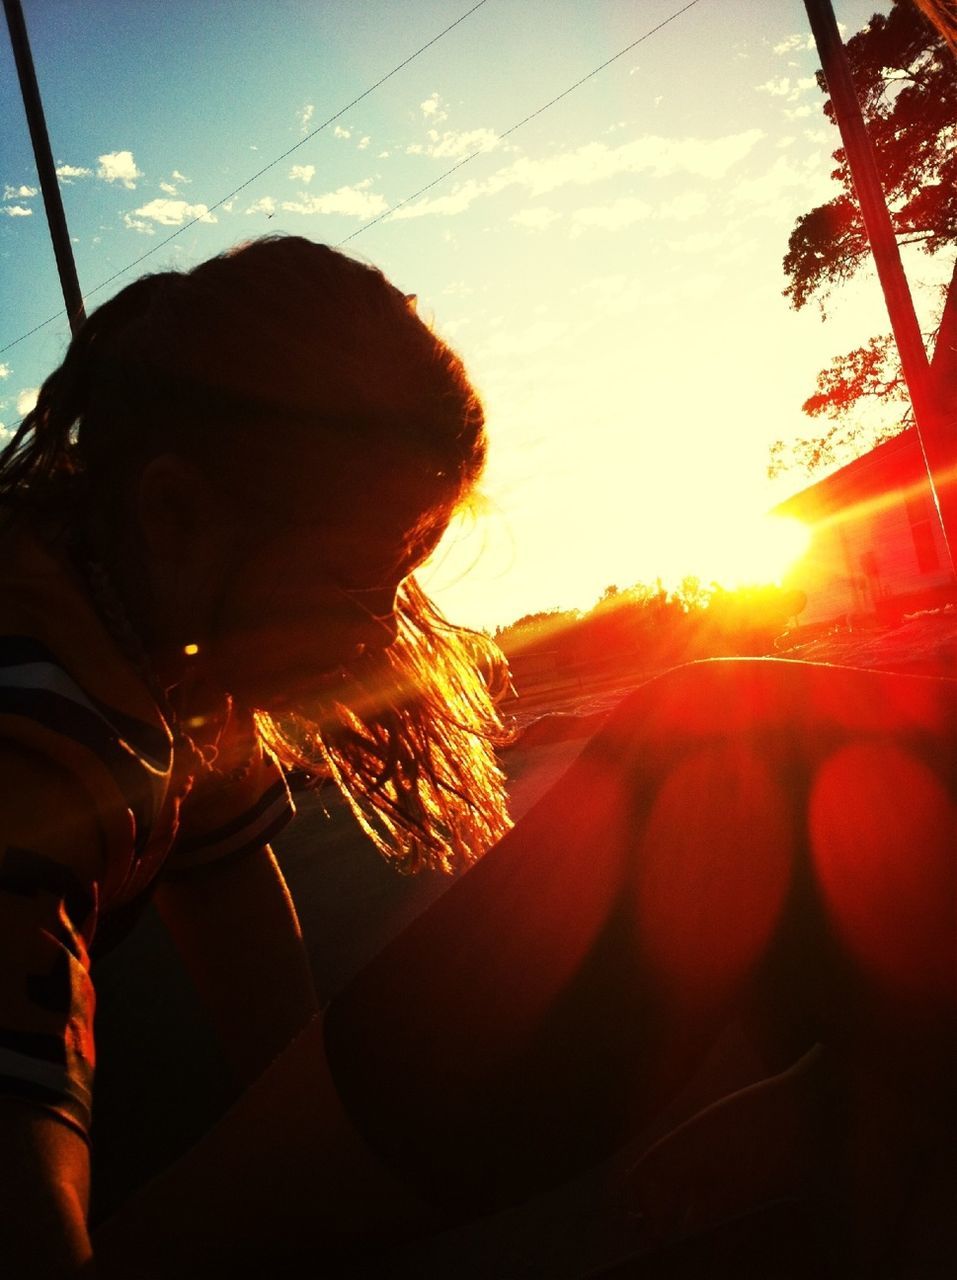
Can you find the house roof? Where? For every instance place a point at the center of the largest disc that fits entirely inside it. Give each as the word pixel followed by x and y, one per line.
pixel 897 464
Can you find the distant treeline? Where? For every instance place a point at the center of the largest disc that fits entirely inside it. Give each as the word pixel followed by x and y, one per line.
pixel 649 628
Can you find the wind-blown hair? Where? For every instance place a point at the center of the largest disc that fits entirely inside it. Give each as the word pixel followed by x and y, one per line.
pixel 250 366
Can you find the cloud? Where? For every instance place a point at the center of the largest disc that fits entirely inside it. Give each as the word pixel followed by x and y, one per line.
pixel 611 217
pixel 699 242
pixel 661 157
pixel 305 115
pixel 265 204
pixel 452 145
pixel 432 109
pixel 535 219
pixel 26 400
pixel 339 132
pixel 771 193
pixel 175 180
pixel 302 172
pixel 118 166
pixel 67 172
pixel 791 44
pixel 776 88
pixel 786 88
pixel 363 142
pixel 690 204
pixel 456 202
pixel 167 213
pixel 16 211
pixel 19 193
pixel 352 202
pixel 228 206
pixel 4 371
pixel 597 162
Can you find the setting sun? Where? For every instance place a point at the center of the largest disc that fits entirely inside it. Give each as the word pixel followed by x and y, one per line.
pixel 745 551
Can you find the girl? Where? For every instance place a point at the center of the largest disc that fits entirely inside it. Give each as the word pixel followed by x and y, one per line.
pixel 213 520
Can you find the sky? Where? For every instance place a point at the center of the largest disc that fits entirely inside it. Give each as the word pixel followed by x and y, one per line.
pixel 610 271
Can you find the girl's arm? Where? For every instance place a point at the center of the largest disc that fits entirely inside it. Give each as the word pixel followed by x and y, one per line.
pixel 236 929
pixel 44 1190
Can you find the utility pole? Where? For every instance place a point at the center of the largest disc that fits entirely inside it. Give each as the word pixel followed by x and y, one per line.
pixel 935 421
pixel 52 202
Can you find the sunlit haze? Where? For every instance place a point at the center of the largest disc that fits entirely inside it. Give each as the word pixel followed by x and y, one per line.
pixel 610 271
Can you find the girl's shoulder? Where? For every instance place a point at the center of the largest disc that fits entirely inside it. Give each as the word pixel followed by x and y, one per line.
pixel 67 694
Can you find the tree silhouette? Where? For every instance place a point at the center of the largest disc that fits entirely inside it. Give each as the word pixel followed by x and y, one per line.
pixel 906 81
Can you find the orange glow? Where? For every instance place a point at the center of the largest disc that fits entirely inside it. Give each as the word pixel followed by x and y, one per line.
pixel 191 650
pixel 883 834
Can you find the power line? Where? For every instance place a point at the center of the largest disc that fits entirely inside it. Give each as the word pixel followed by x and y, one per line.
pixel 521 123
pixel 265 169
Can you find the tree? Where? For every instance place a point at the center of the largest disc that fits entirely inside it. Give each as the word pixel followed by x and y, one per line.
pixel 906 82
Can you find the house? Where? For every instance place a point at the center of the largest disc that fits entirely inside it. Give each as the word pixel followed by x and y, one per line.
pixel 877 546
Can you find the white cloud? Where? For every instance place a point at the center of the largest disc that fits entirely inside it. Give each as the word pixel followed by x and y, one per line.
pixel 176 179
pixel 690 204
pixel 597 162
pixel 118 166
pixel 786 88
pixel 451 145
pixel 771 193
pixel 167 213
pixel 611 217
pixel 4 371
pixel 698 242
pixel 339 132
pixel 265 204
pixel 26 399
pixel 17 211
pixel 432 109
pixel 228 206
pixel 67 172
pixel 535 219
pixel 538 336
pixel 456 202
pixel 19 193
pixel 363 142
pixel 791 44
pixel 305 115
pixel 779 88
pixel 353 202
pixel 302 172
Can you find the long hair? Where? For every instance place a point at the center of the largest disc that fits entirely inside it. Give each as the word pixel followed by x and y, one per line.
pixel 247 365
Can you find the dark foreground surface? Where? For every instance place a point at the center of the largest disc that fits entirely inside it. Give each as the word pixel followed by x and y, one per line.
pixel 161 1079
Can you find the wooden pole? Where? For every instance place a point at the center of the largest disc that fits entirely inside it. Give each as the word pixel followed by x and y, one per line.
pixel 59 234
pixel 935 427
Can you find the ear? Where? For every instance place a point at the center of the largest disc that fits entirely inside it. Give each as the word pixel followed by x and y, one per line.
pixel 179 512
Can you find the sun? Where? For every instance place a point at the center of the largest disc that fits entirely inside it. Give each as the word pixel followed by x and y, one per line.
pixel 757 551
pixel 734 549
